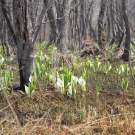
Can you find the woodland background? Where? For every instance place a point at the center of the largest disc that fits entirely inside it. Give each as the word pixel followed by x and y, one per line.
pixel 47 39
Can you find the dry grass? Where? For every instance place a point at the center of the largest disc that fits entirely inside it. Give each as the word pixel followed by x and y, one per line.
pixel 47 112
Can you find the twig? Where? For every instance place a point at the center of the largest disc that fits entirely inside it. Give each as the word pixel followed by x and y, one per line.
pixel 6 107
pixel 67 128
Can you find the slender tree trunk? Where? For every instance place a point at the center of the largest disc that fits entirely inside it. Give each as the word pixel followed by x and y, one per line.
pixel 3 35
pixel 100 22
pixel 125 55
pixel 108 27
pixel 51 17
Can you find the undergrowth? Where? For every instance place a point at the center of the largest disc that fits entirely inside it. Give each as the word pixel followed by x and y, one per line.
pixel 92 97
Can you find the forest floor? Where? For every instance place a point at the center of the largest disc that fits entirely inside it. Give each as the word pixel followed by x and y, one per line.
pixel 105 106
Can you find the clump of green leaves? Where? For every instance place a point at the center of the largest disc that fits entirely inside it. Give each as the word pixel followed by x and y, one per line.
pixel 125 84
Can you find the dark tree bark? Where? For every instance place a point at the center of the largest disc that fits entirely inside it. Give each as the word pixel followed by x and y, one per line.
pixel 23 38
pixel 92 31
pixel 51 17
pixel 63 9
pixel 25 47
pixel 3 35
pixel 125 55
pixel 112 23
pixel 108 26
pixel 82 27
pixel 100 22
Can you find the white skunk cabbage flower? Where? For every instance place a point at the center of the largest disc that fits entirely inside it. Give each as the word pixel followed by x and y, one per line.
pixel 2 60
pixel 122 68
pixel 45 55
pixel 46 73
pixel 35 56
pixel 30 78
pixel 99 63
pixel 60 84
pixel 118 71
pixel 61 68
pixel 11 58
pixel 110 67
pixel 81 81
pixel 91 64
pixel 27 89
pixel 42 65
pixel 74 78
pixel 70 88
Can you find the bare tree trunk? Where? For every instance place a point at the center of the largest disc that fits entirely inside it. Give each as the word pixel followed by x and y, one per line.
pixel 63 8
pixel 21 35
pixel 125 55
pixel 51 18
pixel 3 35
pixel 100 22
pixel 25 47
